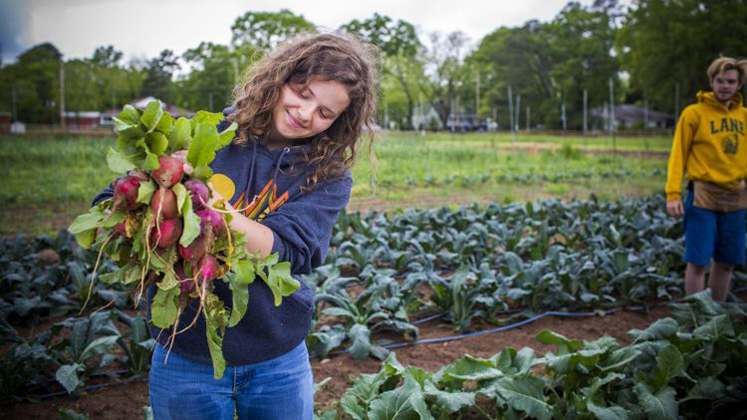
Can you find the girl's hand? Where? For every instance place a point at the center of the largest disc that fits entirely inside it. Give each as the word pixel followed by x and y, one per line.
pixel 182 155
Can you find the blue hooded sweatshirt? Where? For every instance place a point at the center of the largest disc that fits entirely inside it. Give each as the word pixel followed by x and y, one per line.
pixel 267 185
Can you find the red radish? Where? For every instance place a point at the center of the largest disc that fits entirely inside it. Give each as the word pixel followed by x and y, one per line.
pixel 166 233
pixel 164 202
pixel 208 268
pixel 199 193
pixel 169 172
pixel 213 219
pixel 121 228
pixel 195 250
pixel 125 192
pixel 141 175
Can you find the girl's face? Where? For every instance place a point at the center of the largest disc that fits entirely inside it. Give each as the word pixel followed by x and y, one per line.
pixel 305 111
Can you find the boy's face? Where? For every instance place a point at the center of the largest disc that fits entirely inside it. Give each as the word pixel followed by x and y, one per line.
pixel 725 85
pixel 303 111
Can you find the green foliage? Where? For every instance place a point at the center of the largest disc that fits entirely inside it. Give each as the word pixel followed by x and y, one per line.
pixel 582 380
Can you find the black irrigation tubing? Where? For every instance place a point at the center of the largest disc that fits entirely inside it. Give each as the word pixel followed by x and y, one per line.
pixel 92 387
pixel 494 330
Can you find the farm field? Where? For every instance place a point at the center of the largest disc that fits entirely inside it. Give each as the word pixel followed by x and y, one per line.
pixel 410 171
pixel 478 280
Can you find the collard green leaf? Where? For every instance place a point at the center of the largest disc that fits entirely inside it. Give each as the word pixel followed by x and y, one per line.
pixel 661 329
pixel 669 365
pixel 67 376
pixel 360 336
pixel 405 402
pixel 70 414
pixel 708 388
pixel 614 412
pixel 565 345
pixel 164 307
pixel 525 394
pixel 451 402
pixel 469 368
pixel 661 405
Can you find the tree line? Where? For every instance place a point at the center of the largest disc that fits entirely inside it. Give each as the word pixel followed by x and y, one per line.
pixel 651 52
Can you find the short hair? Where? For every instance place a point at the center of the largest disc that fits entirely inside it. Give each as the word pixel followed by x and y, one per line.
pixel 723 64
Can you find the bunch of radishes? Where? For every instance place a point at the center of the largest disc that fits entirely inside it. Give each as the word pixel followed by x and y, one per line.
pixel 160 228
pixel 165 225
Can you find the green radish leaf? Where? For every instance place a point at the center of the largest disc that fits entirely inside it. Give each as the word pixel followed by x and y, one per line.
pixel 118 162
pixel 152 115
pixel 129 115
pixel 204 144
pixel 165 124
pixel 145 191
pixel 191 223
pixel 239 284
pixel 157 142
pixel 169 281
pixel 181 135
pixel 202 172
pixel 114 219
pixel 227 135
pixel 278 278
pixel 84 226
pixel 164 307
pixel 209 118
pixel 215 315
pixel 181 195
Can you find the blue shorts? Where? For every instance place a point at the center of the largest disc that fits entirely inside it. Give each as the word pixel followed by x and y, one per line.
pixel 712 234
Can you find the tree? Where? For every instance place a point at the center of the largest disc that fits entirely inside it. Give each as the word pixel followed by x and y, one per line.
pixel 664 43
pixel 35 80
pixel 158 76
pixel 400 44
pixel 106 56
pixel 265 29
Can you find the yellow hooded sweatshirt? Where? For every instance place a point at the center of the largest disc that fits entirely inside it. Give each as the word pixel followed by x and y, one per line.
pixel 709 143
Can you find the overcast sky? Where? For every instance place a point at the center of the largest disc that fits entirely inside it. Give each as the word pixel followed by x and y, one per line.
pixel 142 28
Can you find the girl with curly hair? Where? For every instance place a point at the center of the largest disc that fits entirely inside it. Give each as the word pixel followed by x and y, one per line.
pixel 286 176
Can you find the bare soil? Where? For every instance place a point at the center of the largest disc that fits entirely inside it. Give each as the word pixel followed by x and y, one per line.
pixel 126 400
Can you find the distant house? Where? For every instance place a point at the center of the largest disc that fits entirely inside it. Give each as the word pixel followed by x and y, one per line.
pixel 141 103
pixel 82 120
pixel 632 116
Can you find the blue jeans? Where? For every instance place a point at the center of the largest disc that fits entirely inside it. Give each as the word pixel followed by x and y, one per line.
pixel 280 388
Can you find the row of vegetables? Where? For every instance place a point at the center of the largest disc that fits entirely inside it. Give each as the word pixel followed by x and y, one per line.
pixel 521 178
pixel 495 263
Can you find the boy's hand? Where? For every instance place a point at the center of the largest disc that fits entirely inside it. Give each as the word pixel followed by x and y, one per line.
pixel 675 209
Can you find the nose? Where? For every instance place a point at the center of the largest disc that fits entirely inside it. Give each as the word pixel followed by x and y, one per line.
pixel 305 111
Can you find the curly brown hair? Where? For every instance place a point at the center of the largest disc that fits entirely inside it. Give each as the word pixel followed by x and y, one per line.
pixel 339 57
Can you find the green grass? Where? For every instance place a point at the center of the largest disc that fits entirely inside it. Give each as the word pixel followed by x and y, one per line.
pixel 48 181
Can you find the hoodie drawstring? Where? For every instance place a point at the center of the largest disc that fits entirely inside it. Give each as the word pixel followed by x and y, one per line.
pixel 277 165
pixel 251 173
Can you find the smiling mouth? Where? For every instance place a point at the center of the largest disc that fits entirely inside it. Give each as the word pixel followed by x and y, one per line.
pixel 294 122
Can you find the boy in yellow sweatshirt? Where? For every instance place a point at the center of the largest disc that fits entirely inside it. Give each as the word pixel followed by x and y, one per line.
pixel 709 150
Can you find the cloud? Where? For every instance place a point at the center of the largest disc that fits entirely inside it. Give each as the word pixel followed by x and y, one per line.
pixel 14 17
